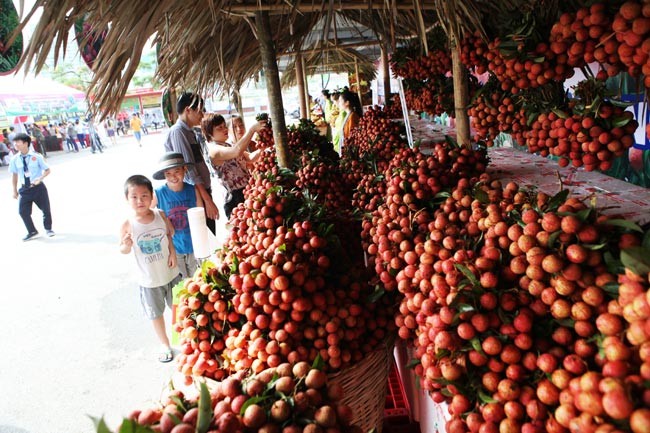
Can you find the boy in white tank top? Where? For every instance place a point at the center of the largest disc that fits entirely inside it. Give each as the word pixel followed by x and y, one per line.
pixel 148 233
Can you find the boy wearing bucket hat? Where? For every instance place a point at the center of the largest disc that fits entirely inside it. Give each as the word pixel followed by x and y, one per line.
pixel 174 198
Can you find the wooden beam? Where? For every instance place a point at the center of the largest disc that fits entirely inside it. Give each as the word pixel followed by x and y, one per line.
pixel 332 48
pixel 253 8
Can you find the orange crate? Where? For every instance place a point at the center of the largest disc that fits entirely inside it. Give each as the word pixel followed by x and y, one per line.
pixel 397 408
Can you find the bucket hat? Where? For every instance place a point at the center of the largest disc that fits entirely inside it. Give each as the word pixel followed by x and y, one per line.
pixel 167 161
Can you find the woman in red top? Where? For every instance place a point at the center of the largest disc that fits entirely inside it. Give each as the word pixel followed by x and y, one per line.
pixel 349 102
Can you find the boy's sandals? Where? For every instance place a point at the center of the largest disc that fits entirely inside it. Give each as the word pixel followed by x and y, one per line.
pixel 166 354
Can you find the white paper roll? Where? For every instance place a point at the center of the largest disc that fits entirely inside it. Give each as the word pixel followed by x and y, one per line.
pixel 199 231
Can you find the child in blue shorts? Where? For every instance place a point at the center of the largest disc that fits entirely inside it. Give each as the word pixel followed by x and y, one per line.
pixel 148 233
pixel 174 198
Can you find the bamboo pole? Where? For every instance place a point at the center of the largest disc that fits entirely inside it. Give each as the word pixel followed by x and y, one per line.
pixel 300 81
pixel 236 98
pixel 304 79
pixel 460 96
pixel 385 72
pixel 256 7
pixel 273 89
pixel 332 48
pixel 356 72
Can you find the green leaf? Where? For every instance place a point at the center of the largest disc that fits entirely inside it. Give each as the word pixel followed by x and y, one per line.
pixel 205 266
pixel 469 274
pixel 413 363
pixel 561 114
pixel 646 239
pixel 179 403
pixel 481 196
pixel 611 288
pixel 621 104
pixel 205 410
pixel 553 237
pixel 442 353
pixel 614 265
pixel 557 200
pixel 464 308
pixel 584 214
pixel 252 400
pixel 446 392
pixel 377 294
pixel 636 259
pixel 485 398
pixel 626 224
pixel 318 363
pixel 100 425
pixel 595 247
pixel 476 345
pixel 569 323
pixel 443 194
pixel 621 121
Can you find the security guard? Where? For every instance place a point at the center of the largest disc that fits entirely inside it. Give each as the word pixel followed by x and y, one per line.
pixel 32 169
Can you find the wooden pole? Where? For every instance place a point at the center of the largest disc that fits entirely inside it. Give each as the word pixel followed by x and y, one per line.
pixel 304 80
pixel 273 89
pixel 385 71
pixel 356 72
pixel 300 80
pixel 330 47
pixel 236 99
pixel 282 8
pixel 460 96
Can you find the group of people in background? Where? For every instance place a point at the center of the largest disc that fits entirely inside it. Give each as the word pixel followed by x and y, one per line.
pixel 198 147
pixel 342 111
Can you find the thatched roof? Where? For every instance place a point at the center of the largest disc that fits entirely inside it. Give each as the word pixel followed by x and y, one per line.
pixel 212 43
pixel 338 61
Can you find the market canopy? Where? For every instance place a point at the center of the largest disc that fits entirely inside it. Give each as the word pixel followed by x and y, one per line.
pixel 212 44
pixel 32 95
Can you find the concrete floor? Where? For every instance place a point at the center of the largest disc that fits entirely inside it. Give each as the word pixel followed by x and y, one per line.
pixel 73 341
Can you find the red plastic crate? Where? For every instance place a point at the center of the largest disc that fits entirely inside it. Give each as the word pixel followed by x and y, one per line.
pixel 397 408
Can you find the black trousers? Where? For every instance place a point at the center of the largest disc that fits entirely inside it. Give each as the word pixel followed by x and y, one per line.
pixel 38 195
pixel 236 197
pixel 212 224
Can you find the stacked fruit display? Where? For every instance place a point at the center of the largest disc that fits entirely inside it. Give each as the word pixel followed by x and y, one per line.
pixel 412 181
pixel 518 69
pixel 609 33
pixel 505 293
pixel 288 398
pixel 494 112
pixel 293 267
pixel 473 51
pixel 632 28
pixel 590 133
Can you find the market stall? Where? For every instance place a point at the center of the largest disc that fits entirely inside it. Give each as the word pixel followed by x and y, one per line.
pixel 515 286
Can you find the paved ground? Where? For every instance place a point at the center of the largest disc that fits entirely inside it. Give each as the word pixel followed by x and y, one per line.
pixel 73 340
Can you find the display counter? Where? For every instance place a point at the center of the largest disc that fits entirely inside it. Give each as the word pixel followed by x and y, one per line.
pixel 612 195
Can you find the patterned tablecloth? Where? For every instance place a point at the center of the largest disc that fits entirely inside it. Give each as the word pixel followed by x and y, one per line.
pixel 429 133
pixel 614 195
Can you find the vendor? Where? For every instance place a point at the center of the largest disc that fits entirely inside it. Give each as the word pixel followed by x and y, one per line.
pixel 349 117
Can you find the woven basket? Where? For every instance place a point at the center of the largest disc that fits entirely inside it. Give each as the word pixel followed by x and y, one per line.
pixel 364 385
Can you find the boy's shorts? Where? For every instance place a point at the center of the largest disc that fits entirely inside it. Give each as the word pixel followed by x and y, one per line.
pixel 187 264
pixel 153 299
